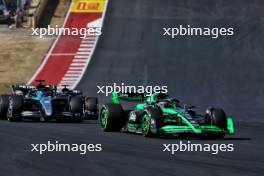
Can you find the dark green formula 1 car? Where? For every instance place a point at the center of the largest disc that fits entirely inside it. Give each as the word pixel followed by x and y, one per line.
pixel 158 114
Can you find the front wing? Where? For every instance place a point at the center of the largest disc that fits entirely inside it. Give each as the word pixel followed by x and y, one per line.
pixel 189 128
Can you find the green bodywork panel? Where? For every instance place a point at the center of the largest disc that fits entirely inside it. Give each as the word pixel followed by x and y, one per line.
pixel 140 106
pixel 169 111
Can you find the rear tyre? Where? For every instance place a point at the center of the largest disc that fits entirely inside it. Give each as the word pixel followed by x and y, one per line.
pixel 111 117
pixel 151 121
pixel 76 107
pixel 4 103
pixel 216 117
pixel 91 104
pixel 15 108
pixel 76 104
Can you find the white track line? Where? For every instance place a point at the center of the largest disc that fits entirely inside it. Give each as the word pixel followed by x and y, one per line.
pixel 84 53
pixel 89 39
pixel 68 83
pixel 72 75
pixel 69 79
pixel 86 45
pixel 78 64
pixel 79 57
pixel 74 72
pixel 90 36
pixel 79 60
pixel 76 68
pixel 85 49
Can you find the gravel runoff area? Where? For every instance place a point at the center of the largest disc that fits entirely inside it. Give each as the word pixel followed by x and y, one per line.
pixel 21 53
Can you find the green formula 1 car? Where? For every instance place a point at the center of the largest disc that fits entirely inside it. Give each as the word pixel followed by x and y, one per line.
pixel 158 114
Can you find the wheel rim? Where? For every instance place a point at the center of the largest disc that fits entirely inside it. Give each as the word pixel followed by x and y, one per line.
pixel 145 124
pixel 104 117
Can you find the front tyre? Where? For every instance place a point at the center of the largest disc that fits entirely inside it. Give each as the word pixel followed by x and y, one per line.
pixel 151 121
pixel 111 117
pixel 216 117
pixel 15 108
pixel 4 103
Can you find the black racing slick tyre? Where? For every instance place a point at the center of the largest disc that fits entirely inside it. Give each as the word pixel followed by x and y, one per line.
pixel 112 117
pixel 216 117
pixel 15 108
pixel 76 104
pixel 151 121
pixel 76 107
pixel 4 103
pixel 91 105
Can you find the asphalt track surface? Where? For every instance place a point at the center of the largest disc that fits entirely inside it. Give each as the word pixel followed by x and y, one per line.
pixel 226 72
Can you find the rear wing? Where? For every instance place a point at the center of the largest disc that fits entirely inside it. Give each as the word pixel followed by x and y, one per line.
pixel 27 88
pixel 127 97
pixel 23 88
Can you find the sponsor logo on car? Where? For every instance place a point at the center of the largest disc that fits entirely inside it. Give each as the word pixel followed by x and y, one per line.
pixel 96 6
